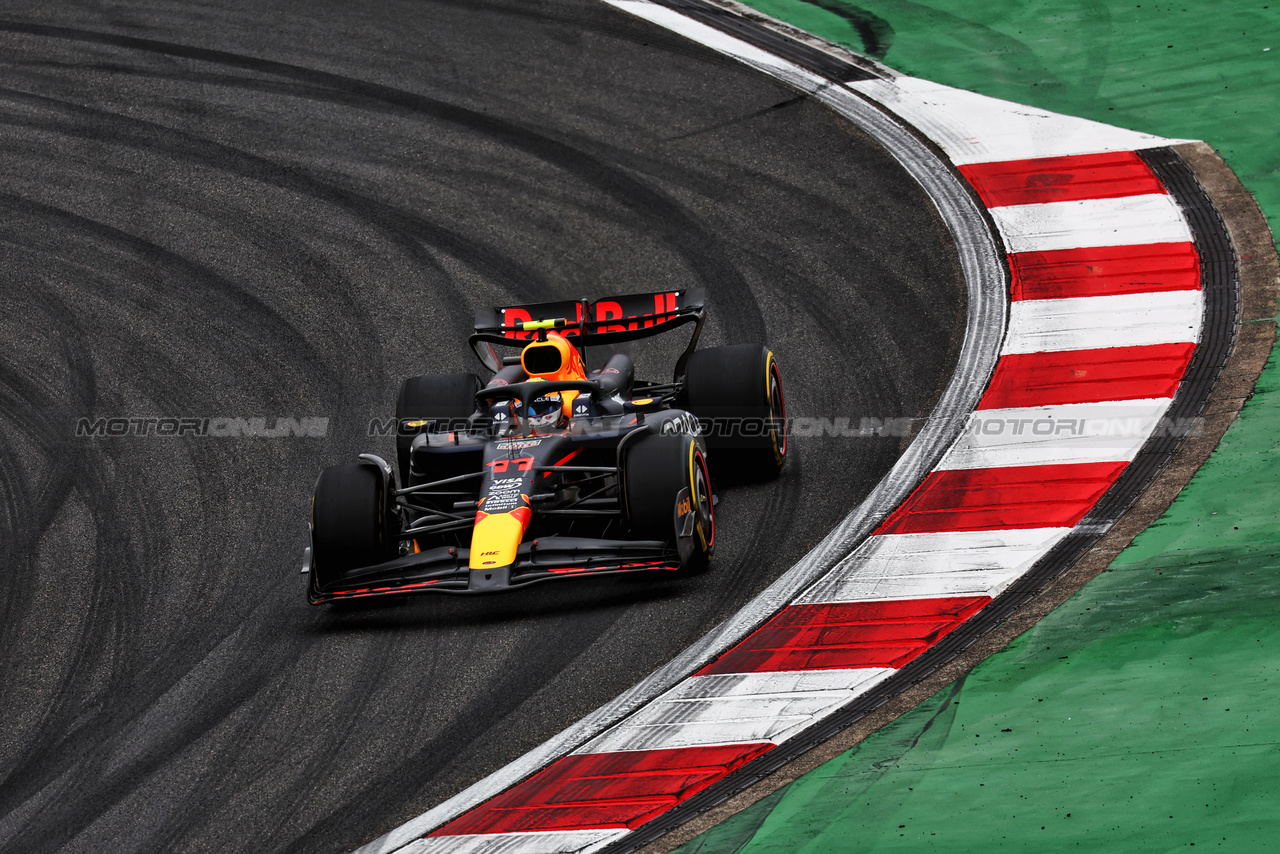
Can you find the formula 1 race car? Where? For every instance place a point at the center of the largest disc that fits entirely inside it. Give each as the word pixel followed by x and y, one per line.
pixel 550 470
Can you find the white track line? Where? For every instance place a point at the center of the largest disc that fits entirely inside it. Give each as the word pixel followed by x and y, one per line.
pixel 974 128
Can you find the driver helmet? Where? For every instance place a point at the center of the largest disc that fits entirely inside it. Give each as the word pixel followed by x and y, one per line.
pixel 544 412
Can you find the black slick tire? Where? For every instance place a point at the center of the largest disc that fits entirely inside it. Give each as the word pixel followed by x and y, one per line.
pixel 736 392
pixel 425 401
pixel 666 489
pixel 351 522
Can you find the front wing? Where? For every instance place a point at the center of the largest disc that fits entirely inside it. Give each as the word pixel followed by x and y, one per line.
pixel 445 569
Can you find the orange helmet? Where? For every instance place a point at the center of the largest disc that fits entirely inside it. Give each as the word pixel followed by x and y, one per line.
pixel 554 359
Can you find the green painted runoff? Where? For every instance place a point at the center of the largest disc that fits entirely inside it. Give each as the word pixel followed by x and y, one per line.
pixel 1181 70
pixel 1144 714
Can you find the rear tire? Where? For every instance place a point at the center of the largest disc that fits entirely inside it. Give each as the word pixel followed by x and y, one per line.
pixel 352 523
pixel 736 391
pixel 431 398
pixel 656 471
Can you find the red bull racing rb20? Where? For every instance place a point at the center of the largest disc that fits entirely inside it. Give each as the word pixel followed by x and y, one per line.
pixel 550 470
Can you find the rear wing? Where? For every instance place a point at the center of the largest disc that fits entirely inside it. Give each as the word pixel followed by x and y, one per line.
pixel 611 320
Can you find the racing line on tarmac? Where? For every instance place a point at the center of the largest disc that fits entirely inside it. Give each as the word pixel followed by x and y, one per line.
pixel 1111 241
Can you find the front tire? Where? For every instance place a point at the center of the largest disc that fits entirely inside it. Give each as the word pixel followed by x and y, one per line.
pixel 666 490
pixel 352 522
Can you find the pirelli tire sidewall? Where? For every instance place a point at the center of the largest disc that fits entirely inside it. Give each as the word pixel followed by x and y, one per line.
pixel 736 394
pixel 666 494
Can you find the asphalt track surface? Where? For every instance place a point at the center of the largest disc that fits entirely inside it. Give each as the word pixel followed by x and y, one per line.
pixel 280 210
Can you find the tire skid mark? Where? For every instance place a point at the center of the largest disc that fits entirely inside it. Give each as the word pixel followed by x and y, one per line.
pixel 697 246
pixel 408 231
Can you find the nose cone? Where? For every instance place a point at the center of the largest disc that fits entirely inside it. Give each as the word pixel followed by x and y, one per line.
pixel 496 537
